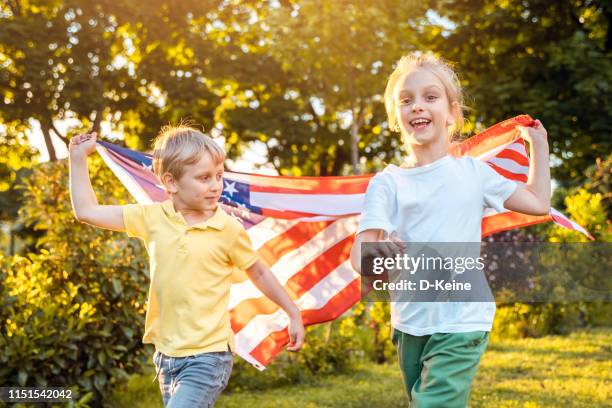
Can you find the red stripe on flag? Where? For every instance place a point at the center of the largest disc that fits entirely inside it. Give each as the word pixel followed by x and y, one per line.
pixel 509 220
pixel 514 156
pixel 562 221
pixel 337 185
pixel 288 241
pixel 509 175
pixel 265 351
pixel 490 138
pixel 296 286
pixel 567 224
pixel 286 215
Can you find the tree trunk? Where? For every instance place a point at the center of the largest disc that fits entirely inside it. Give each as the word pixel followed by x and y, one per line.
pixel 355 146
pixel 97 120
pixel 12 242
pixel 339 159
pixel 355 126
pixel 15 7
pixel 46 130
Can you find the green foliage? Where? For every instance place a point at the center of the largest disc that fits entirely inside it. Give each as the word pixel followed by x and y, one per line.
pixel 588 210
pixel 599 181
pixel 588 205
pixel 15 155
pixel 16 160
pixel 374 323
pixel 536 320
pixel 337 62
pixel 302 77
pixel 72 313
pixel 551 60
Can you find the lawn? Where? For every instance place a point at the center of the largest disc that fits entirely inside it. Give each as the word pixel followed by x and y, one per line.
pixel 553 371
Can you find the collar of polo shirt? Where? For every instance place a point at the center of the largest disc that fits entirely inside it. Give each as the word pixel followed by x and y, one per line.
pixel 217 221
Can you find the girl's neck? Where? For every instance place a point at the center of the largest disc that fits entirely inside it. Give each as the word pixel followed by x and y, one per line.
pixel 422 155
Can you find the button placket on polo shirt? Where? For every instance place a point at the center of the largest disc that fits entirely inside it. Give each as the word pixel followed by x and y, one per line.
pixel 183 241
pixel 184 234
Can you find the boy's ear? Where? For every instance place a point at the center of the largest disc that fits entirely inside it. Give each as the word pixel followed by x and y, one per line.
pixel 169 183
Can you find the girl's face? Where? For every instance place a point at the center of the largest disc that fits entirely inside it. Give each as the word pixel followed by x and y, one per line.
pixel 422 107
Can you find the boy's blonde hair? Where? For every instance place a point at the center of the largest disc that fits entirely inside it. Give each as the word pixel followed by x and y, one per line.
pixel 442 70
pixel 178 146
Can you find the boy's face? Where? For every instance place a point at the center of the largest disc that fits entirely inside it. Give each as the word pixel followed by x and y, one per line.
pixel 421 95
pixel 200 186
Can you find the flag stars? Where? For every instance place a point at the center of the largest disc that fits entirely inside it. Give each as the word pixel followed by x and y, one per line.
pixel 230 188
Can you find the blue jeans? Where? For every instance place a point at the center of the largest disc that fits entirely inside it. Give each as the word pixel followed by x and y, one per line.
pixel 193 381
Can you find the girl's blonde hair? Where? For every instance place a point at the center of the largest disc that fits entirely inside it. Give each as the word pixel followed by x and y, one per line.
pixel 178 146
pixel 442 70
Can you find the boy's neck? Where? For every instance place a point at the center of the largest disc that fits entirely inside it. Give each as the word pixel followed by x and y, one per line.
pixel 192 215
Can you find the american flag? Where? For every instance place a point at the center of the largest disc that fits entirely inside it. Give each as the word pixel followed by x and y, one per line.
pixel 303 229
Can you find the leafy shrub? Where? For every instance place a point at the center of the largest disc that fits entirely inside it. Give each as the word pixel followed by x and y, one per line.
pixel 73 313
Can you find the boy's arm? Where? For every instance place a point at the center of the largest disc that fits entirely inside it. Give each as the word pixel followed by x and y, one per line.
pixel 534 197
pixel 84 202
pixel 267 283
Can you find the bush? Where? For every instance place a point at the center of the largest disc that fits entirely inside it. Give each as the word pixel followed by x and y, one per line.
pixel 73 313
pixel 588 207
pixel 536 320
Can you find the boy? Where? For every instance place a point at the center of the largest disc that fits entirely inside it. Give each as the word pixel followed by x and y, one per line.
pixel 193 246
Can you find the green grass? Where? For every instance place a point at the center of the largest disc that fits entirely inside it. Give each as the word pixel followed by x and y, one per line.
pixel 553 371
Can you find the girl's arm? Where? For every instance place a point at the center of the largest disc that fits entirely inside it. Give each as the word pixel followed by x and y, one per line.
pixel 84 202
pixel 372 235
pixel 393 245
pixel 534 197
pixel 267 283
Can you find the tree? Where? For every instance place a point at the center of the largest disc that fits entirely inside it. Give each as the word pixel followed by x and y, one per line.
pixel 56 58
pixel 549 59
pixel 338 55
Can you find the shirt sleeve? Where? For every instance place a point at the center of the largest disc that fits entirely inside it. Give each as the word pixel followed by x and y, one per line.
pixel 496 188
pixel 241 252
pixel 379 206
pixel 134 220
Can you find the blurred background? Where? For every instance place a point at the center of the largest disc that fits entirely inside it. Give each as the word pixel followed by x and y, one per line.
pixel 290 87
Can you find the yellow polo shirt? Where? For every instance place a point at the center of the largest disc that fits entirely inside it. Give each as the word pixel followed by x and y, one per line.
pixel 191 269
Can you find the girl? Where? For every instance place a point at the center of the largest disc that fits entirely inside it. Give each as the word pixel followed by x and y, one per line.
pixel 434 197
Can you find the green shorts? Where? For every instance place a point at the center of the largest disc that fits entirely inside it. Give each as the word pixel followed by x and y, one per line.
pixel 438 369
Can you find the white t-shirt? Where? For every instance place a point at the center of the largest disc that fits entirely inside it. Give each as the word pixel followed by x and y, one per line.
pixel 440 202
